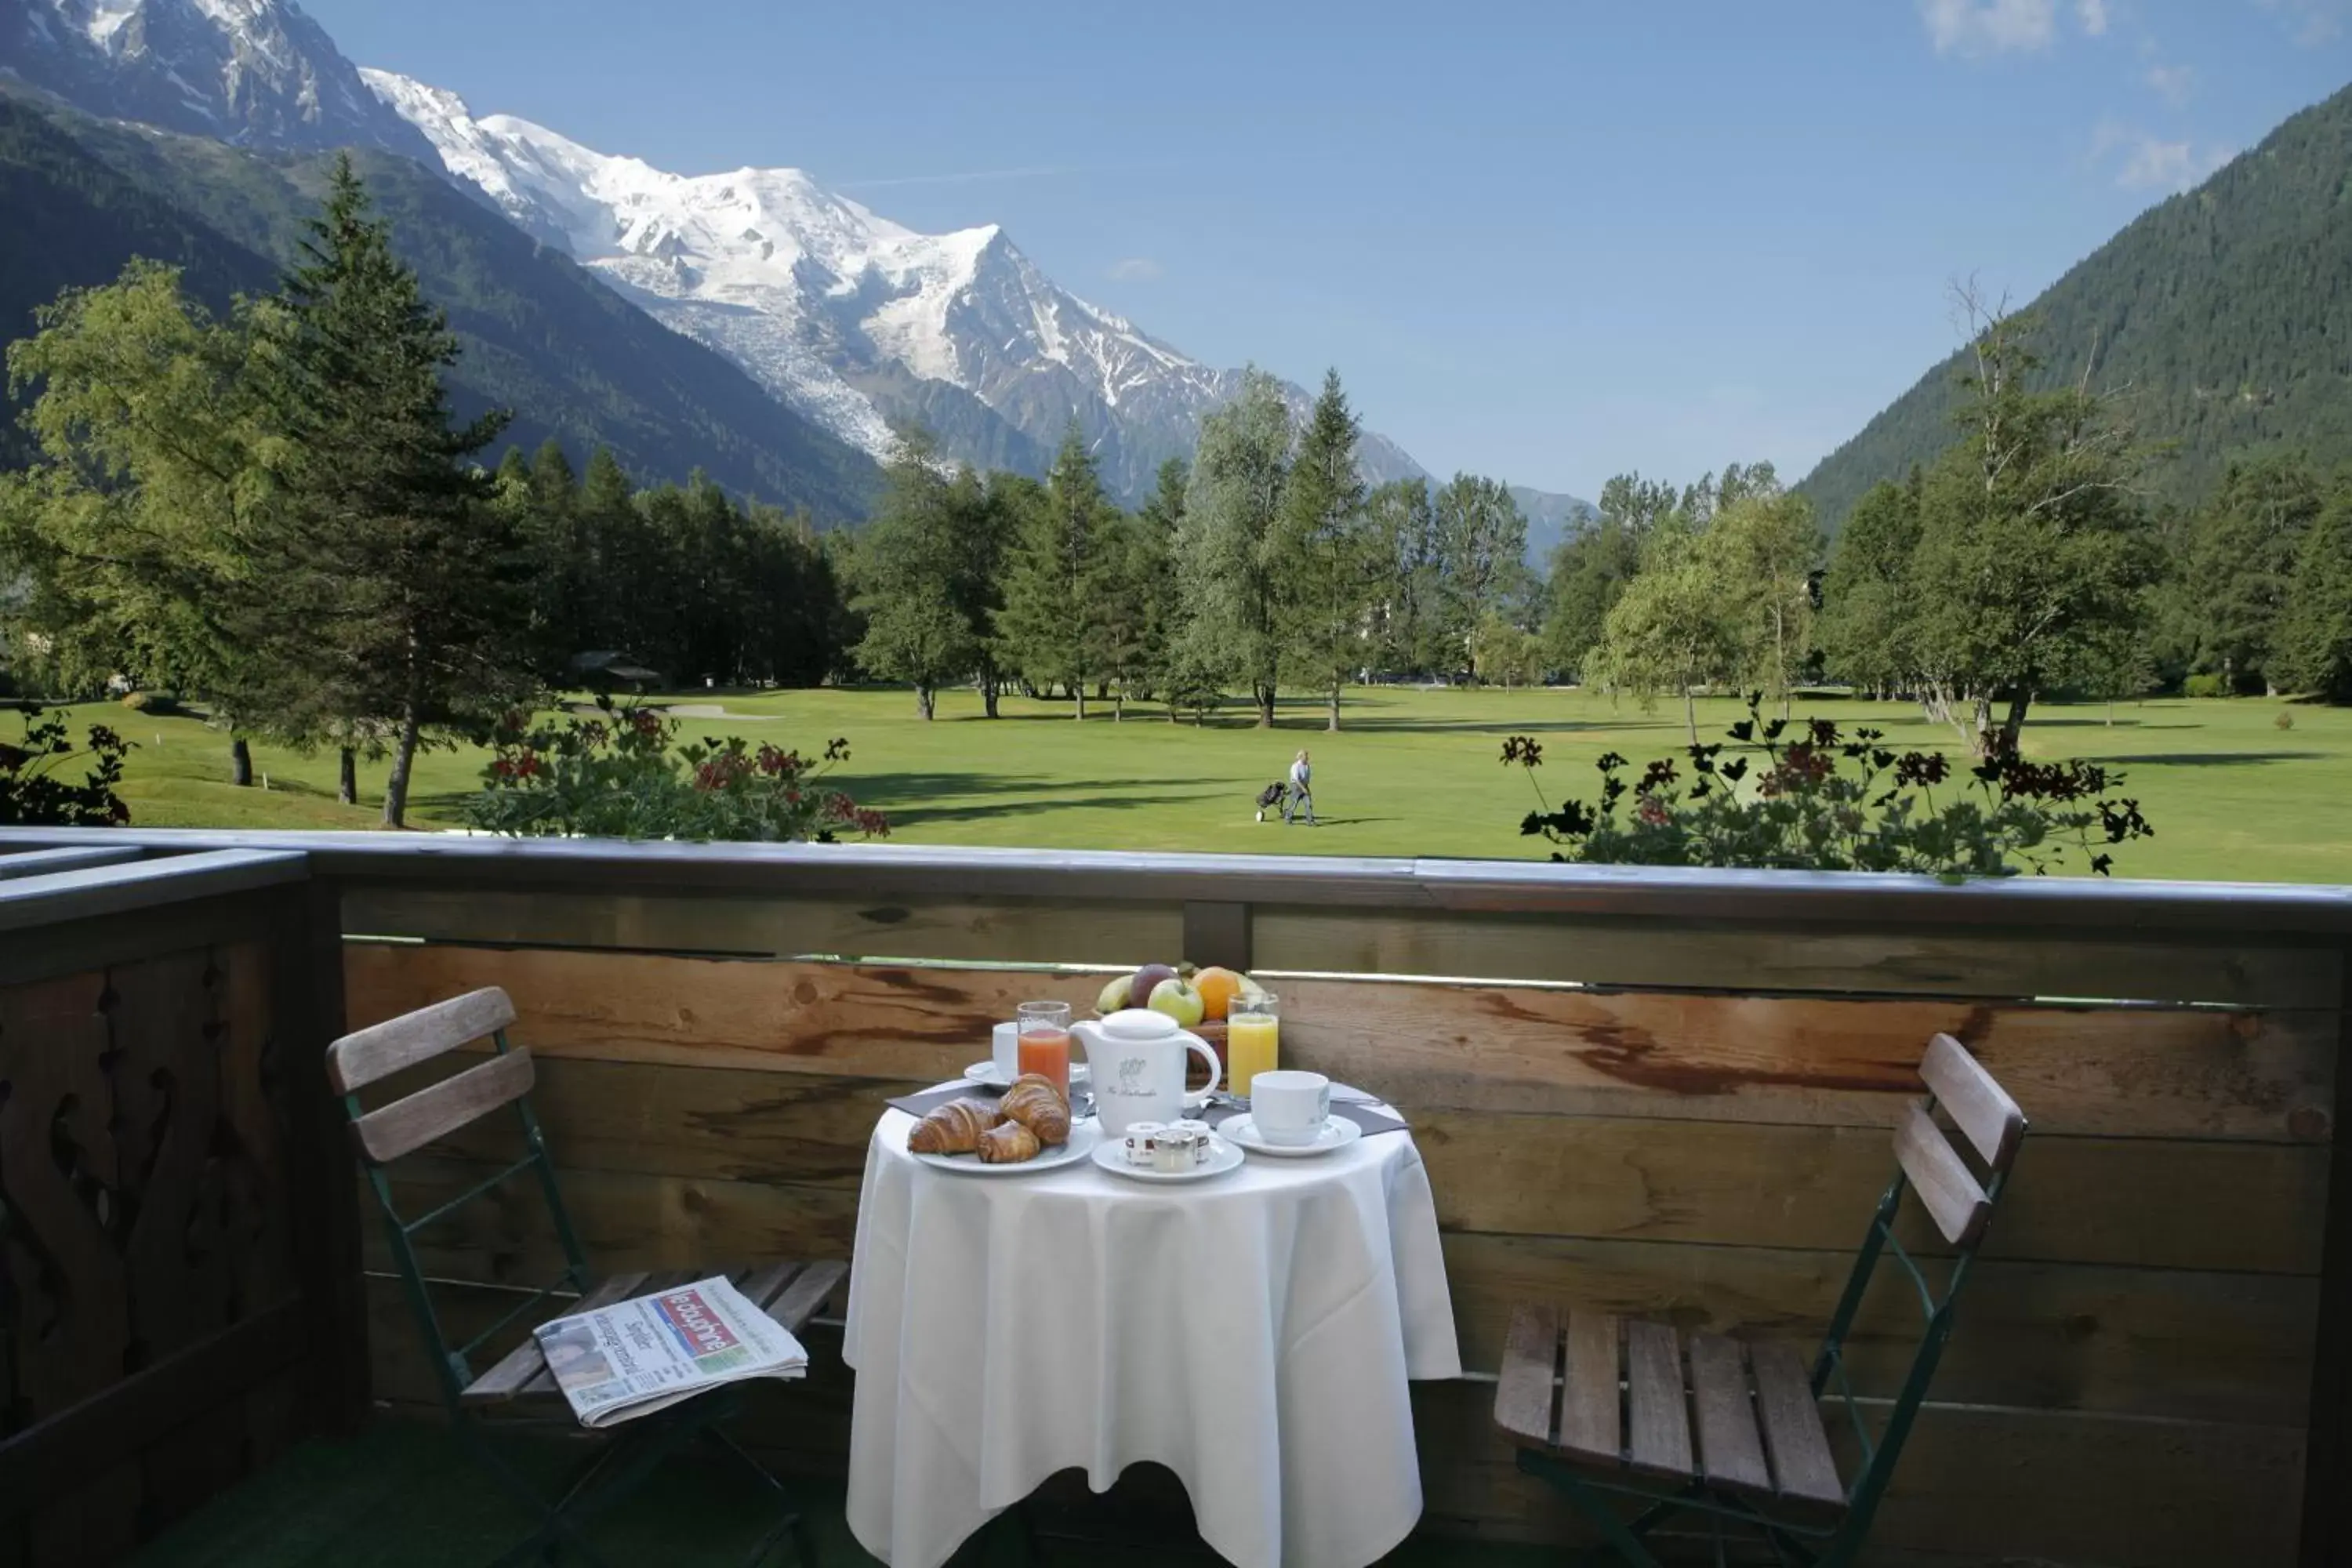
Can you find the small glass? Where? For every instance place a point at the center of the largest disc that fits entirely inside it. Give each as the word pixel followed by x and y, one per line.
pixel 1044 1041
pixel 1252 1032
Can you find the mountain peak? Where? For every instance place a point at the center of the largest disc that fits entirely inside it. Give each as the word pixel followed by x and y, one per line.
pixel 250 72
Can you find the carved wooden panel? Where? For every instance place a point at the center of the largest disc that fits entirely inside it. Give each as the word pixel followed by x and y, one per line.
pixel 143 1211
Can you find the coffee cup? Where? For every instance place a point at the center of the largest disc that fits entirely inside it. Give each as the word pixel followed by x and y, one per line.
pixel 1290 1108
pixel 1004 1050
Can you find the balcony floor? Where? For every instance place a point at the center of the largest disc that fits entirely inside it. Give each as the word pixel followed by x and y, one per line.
pixel 404 1495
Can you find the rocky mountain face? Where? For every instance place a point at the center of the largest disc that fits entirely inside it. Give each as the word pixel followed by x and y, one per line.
pixel 257 73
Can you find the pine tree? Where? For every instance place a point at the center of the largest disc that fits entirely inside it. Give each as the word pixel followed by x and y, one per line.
pixel 1052 625
pixel 403 579
pixel 1327 549
pixel 2315 637
pixel 1234 584
pixel 1868 619
pixel 2241 566
pixel 906 568
pixel 985 516
pixel 1158 615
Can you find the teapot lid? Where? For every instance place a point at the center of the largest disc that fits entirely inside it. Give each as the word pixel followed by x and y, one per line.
pixel 1140 1024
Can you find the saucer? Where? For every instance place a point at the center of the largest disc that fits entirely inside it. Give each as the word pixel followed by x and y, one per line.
pixel 1337 1133
pixel 1111 1155
pixel 986 1075
pixel 1086 1138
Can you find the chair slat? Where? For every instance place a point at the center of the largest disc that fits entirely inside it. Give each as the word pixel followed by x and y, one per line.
pixel 1523 1392
pixel 1977 1105
pixel 1729 1450
pixel 799 1301
pixel 526 1364
pixel 1591 1396
pixel 1802 1469
pixel 1955 1202
pixel 364 1056
pixel 1658 1415
pixel 408 1125
pixel 760 1286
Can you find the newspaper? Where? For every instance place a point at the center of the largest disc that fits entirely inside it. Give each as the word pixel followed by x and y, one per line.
pixel 635 1357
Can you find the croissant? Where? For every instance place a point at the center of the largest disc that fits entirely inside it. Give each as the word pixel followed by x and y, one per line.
pixel 1008 1145
pixel 1036 1104
pixel 955 1128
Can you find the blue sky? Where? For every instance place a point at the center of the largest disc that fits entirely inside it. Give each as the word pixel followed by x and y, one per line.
pixel 1550 242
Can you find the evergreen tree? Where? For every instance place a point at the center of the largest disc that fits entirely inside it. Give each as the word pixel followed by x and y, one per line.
pixel 1327 549
pixel 986 516
pixel 1052 627
pixel 1482 540
pixel 2314 650
pixel 404 583
pixel 1155 605
pixel 1402 522
pixel 906 568
pixel 1234 584
pixel 1868 618
pixel 2242 551
pixel 611 531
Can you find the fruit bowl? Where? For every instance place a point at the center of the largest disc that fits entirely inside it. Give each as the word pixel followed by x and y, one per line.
pixel 1211 1030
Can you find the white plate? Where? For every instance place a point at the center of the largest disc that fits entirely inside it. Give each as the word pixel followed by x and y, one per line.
pixel 1085 1138
pixel 1223 1157
pixel 985 1074
pixel 1337 1133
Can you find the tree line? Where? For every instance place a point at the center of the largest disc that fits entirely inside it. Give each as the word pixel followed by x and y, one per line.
pixel 1265 564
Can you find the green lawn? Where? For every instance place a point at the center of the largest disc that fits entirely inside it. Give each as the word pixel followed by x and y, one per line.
pixel 2232 796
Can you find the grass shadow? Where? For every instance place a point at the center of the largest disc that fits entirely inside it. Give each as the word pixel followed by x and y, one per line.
pixel 2216 759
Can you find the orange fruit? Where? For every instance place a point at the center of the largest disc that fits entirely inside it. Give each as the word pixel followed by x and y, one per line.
pixel 1218 987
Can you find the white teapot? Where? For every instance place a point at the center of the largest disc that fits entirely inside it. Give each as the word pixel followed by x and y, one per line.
pixel 1135 1063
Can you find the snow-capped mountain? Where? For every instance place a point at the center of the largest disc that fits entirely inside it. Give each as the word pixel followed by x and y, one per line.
pixel 849 317
pixel 252 72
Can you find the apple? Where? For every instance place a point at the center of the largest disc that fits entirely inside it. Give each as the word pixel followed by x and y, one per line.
pixel 1114 994
pixel 1177 998
pixel 1138 990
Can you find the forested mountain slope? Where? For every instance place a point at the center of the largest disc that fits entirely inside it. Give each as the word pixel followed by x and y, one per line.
pixel 2225 314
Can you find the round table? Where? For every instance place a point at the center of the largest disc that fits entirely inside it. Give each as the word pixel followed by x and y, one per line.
pixel 1254 1332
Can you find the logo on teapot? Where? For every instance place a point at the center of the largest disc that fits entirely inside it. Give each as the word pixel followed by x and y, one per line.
pixel 1131 1076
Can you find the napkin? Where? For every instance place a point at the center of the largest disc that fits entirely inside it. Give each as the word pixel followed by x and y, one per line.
pixel 930 1099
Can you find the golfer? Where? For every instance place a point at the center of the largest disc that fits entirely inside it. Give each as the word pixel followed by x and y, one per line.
pixel 1302 798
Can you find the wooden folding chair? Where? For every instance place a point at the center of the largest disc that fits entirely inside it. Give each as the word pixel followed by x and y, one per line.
pixel 1602 1409
pixel 791 1293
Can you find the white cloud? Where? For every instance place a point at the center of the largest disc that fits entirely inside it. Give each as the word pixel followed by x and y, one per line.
pixel 2173 83
pixel 2146 162
pixel 1990 27
pixel 2313 22
pixel 2091 16
pixel 1135 269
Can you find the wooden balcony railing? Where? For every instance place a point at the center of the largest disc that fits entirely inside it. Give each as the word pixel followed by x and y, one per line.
pixel 1653 1091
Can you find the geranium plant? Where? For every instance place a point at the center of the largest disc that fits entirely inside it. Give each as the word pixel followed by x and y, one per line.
pixel 623 774
pixel 1805 796
pixel 36 790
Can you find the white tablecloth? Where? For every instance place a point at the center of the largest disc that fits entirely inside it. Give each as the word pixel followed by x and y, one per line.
pixel 1253 1332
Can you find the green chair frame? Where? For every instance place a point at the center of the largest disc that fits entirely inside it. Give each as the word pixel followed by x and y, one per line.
pixel 386 1134
pixel 1960 1207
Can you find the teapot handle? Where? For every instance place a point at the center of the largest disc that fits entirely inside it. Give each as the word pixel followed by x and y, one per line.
pixel 1202 1047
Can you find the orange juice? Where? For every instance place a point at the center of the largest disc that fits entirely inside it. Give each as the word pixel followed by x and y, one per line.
pixel 1047 1051
pixel 1250 1048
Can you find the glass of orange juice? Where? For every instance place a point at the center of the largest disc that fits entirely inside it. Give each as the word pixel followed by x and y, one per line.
pixel 1044 1041
pixel 1253 1027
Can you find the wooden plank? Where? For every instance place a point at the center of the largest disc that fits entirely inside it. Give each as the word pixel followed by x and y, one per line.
pixel 1978 1106
pixel 42 862
pixel 1592 1399
pixel 523 1369
pixel 1217 934
pixel 1729 1451
pixel 79 946
pixel 1949 1192
pixel 760 1285
pixel 366 1056
pixel 1523 1390
pixel 56 1453
pixel 2157 1342
pixel 1762 957
pixel 2112 1072
pixel 409 1124
pixel 2154 1202
pixel 305 934
pixel 1802 1467
pixel 806 1296
pixel 1078 929
pixel 1657 1420
pixel 649 1223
